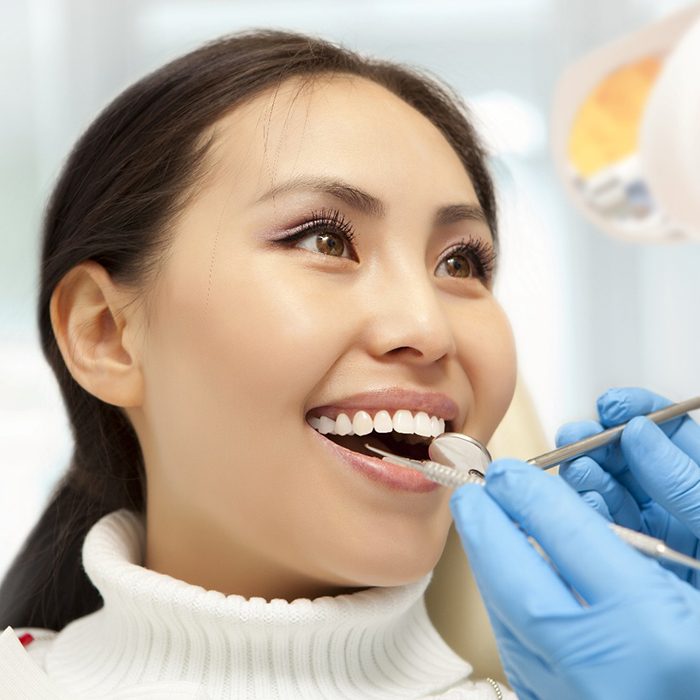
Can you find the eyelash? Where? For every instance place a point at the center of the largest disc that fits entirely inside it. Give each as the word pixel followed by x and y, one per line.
pixel 480 253
pixel 324 219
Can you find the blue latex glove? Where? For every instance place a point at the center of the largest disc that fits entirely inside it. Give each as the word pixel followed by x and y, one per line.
pixel 650 480
pixel 636 637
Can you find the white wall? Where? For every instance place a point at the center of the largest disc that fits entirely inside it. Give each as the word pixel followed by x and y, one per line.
pixel 589 312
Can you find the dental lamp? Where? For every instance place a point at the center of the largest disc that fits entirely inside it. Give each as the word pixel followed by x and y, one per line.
pixel 626 132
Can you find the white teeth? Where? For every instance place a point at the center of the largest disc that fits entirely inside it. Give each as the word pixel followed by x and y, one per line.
pixel 327 425
pixel 362 423
pixel 404 423
pixel 382 422
pixel 343 426
pixel 422 424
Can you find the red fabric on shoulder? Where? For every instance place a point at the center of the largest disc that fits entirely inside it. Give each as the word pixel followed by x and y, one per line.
pixel 26 639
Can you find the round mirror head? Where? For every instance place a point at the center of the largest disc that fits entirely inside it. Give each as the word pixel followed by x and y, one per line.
pixel 460 451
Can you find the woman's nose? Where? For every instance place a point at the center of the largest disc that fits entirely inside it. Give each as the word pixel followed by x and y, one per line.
pixel 408 316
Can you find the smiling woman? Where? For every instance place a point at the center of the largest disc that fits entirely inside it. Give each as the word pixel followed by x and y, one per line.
pixel 256 259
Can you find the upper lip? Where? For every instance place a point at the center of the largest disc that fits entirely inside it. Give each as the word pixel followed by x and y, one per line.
pixel 392 399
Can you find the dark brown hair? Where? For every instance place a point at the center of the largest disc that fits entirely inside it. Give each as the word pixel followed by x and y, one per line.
pixel 120 190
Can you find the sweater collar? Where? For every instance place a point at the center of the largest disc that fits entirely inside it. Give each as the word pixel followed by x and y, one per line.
pixel 378 642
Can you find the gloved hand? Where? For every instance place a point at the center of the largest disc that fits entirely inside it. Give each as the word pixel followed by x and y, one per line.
pixel 635 637
pixel 648 481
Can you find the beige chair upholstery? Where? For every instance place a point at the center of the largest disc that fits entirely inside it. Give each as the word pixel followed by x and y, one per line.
pixel 453 600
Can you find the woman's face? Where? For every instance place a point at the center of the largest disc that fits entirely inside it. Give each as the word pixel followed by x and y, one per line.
pixel 251 330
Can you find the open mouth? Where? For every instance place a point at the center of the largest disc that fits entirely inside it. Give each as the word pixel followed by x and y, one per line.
pixel 402 444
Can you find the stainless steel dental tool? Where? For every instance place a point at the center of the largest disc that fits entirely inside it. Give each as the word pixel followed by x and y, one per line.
pixel 466 453
pixel 458 459
pixel 453 478
pixel 576 449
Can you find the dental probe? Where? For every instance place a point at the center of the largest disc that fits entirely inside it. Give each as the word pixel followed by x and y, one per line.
pixel 576 449
pixel 453 478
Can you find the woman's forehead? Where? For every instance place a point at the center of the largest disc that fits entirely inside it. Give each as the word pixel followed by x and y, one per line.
pixel 342 125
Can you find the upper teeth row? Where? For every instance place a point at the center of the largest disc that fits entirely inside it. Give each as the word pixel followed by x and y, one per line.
pixel 403 421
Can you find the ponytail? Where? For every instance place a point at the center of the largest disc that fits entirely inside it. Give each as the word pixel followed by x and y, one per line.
pixel 46 585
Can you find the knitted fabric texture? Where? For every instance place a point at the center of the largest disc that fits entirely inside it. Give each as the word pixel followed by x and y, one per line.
pixel 157 636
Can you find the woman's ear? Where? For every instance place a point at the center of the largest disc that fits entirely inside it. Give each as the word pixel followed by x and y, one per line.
pixel 96 335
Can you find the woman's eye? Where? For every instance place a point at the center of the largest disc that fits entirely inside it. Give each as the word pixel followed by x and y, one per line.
pixel 458 265
pixel 327 232
pixel 471 258
pixel 325 242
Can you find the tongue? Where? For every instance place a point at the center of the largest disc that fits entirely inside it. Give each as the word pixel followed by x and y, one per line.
pixel 384 441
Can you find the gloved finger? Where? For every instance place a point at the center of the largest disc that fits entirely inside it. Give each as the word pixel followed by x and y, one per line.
pixel 660 523
pixel 595 501
pixel 514 654
pixel 620 404
pixel 609 457
pixel 664 470
pixel 517 660
pixel 538 674
pixel 623 404
pixel 586 475
pixel 513 629
pixel 515 581
pixel 589 557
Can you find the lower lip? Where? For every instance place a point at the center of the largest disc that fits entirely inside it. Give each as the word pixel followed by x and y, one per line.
pixel 390 475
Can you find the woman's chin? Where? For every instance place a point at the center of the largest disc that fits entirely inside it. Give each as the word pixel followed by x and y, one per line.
pixel 393 571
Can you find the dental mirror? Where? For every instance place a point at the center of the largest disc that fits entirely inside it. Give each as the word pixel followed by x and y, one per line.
pixel 464 453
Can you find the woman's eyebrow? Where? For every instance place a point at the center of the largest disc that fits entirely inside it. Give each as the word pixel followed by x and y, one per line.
pixel 367 203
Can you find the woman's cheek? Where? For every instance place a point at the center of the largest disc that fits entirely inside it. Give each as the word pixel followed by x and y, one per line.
pixel 491 365
pixel 284 335
pixel 504 368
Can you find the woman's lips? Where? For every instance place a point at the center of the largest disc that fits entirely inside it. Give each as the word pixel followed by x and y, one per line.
pixel 392 399
pixel 392 476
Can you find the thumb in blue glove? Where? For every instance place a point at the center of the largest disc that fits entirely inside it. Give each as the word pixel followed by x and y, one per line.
pixel 635 634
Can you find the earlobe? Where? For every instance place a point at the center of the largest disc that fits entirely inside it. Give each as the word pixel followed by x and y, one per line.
pixel 95 336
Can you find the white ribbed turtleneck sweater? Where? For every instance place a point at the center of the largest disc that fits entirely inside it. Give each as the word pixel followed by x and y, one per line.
pixel 157 637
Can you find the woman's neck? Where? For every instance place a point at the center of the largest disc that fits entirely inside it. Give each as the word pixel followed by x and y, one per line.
pixel 156 628
pixel 179 547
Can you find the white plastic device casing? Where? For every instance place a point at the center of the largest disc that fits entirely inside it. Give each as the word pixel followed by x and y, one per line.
pixel 668 155
pixel 669 137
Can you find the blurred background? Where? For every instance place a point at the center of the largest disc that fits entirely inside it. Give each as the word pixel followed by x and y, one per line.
pixel 588 311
